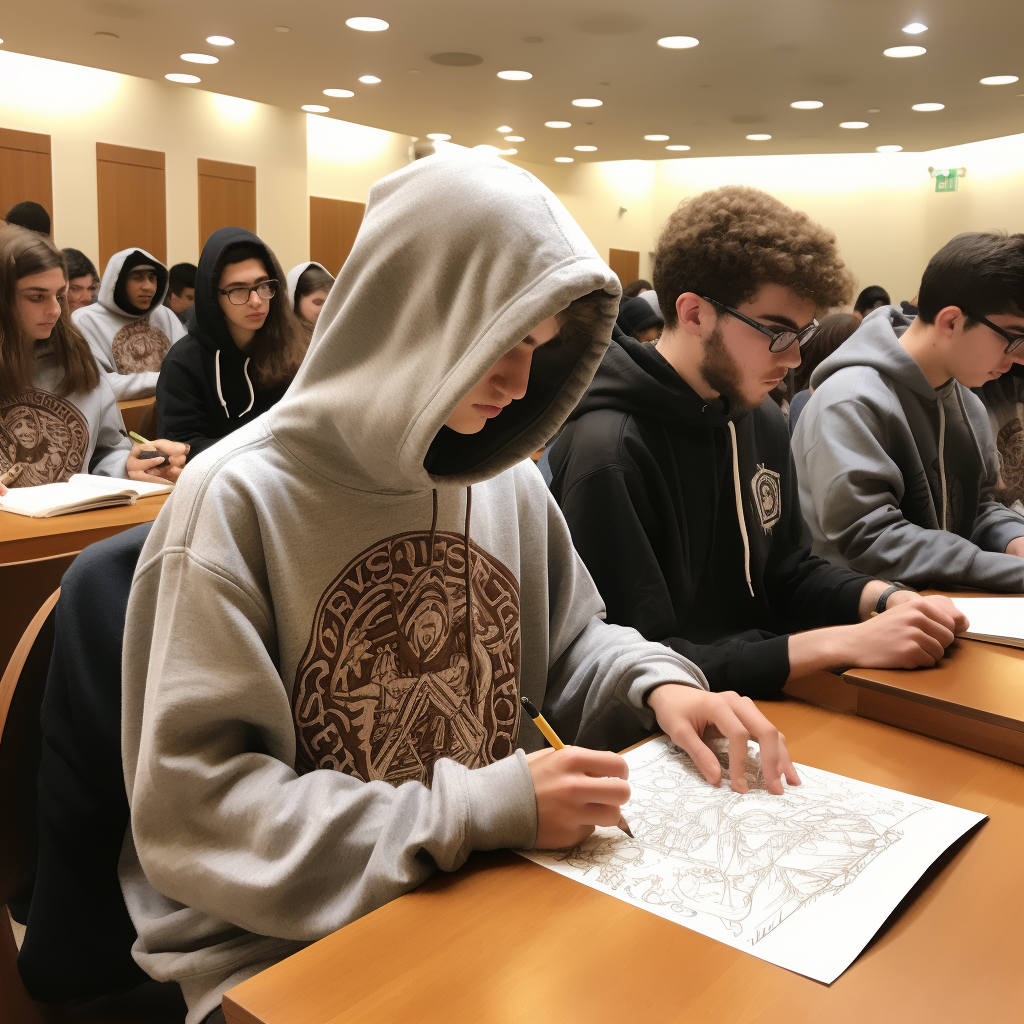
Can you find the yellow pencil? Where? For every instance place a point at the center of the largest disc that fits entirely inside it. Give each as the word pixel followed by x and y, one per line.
pixel 138 437
pixel 552 737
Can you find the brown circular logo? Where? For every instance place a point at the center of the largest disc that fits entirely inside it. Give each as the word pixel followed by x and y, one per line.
pixel 45 434
pixel 392 679
pixel 139 347
pixel 1010 445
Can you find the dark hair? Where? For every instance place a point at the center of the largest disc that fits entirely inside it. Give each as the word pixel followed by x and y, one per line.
pixel 182 276
pixel 279 346
pixel 634 288
pixel 729 242
pixel 29 215
pixel 79 265
pixel 871 298
pixel 978 272
pixel 636 316
pixel 831 333
pixel 22 253
pixel 312 279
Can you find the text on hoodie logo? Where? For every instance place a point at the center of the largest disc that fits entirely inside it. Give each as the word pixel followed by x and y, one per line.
pixel 767 487
pixel 46 435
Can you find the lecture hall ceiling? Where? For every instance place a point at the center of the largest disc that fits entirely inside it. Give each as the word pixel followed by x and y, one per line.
pixel 752 61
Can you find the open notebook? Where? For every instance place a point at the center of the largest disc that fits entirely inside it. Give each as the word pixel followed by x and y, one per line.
pixel 79 494
pixel 999 620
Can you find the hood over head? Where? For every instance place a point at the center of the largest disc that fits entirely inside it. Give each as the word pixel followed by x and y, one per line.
pixel 637 315
pixel 458 258
pixel 113 295
pixel 292 281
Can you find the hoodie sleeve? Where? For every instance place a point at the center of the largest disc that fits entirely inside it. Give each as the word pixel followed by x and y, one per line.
pixel 180 408
pixel 852 489
pixel 110 455
pixel 126 386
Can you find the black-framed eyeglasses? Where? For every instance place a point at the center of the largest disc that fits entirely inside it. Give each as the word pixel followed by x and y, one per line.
pixel 239 295
pixel 782 338
pixel 1013 341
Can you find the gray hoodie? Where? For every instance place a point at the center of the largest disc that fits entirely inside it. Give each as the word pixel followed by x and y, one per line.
pixel 309 728
pixel 896 477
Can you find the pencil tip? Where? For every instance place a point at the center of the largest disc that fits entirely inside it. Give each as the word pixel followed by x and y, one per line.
pixel 528 707
pixel 625 827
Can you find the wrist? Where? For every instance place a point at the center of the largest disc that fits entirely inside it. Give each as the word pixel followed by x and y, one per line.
pixel 820 650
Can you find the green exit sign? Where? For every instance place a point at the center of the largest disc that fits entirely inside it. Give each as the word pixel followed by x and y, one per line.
pixel 946 181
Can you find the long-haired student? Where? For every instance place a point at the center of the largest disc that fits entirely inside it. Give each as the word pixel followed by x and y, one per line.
pixel 58 414
pixel 243 348
pixel 309 284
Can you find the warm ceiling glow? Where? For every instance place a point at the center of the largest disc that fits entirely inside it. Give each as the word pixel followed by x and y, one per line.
pixel 504 128
pixel 484 148
pixel 367 24
pixel 915 28
pixel 759 138
pixel 315 108
pixel 1000 80
pixel 678 42
pixel 200 58
pixel 369 79
pixel 904 51
pixel 341 94
pixel 557 124
pixel 928 107
pixel 438 136
pixel 888 149
pixel 656 138
pixel 853 124
pixel 563 159
pixel 807 104
pixel 678 149
pixel 588 103
pixel 515 76
pixel 184 79
pixel 514 138
pixel 585 149
pixel 220 40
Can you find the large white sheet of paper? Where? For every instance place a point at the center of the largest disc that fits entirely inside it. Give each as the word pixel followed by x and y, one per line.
pixel 999 620
pixel 802 880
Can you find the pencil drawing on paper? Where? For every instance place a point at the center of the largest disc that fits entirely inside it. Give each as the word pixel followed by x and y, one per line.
pixel 746 862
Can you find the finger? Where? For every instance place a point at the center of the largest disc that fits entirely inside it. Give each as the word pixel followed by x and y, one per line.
pixel 930 648
pixel 138 474
pixel 933 627
pixel 583 790
pixel 736 733
pixel 602 814
pixel 775 760
pixel 686 738
pixel 599 763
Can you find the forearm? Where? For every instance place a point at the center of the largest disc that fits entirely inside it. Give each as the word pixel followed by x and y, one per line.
pixel 819 650
pixel 869 597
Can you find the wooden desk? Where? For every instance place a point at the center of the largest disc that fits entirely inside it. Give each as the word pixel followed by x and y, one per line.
pixel 22 537
pixel 133 410
pixel 504 941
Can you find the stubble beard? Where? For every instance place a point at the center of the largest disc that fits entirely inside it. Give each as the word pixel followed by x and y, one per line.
pixel 720 372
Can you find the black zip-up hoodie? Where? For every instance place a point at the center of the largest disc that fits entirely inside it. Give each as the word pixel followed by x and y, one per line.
pixel 704 552
pixel 206 389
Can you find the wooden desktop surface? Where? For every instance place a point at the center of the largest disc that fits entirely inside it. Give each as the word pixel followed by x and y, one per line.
pixel 508 942
pixel 22 537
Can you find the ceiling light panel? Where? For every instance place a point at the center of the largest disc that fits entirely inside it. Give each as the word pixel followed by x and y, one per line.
pixel 904 51
pixel 588 103
pixel 678 149
pixel 656 138
pixel 853 124
pixel 557 124
pixel 1000 80
pixel 514 138
pixel 515 76
pixel 928 108
pixel 807 104
pixel 438 136
pixel 315 108
pixel 505 128
pixel 585 149
pixel 369 79
pixel 200 58
pixel 367 24
pixel 759 137
pixel 915 28
pixel 563 159
pixel 888 149
pixel 184 79
pixel 341 94
pixel 220 40
pixel 678 42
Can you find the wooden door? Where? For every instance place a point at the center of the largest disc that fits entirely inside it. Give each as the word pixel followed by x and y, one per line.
pixel 227 197
pixel 333 226
pixel 625 264
pixel 25 170
pixel 132 201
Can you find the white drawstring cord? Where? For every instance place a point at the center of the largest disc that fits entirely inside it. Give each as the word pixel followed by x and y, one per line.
pixel 252 394
pixel 739 506
pixel 942 463
pixel 220 394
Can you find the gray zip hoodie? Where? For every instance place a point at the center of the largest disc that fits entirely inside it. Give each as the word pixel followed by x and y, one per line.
pixel 309 727
pixel 896 477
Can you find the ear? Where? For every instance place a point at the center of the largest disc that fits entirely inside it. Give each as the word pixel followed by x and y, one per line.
pixel 947 318
pixel 692 313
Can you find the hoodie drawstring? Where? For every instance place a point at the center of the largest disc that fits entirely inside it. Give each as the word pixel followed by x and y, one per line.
pixel 252 394
pixel 739 506
pixel 220 393
pixel 216 374
pixel 942 462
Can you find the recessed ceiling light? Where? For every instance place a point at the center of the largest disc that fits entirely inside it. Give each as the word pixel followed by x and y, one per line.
pixel 1000 80
pixel 515 76
pixel 184 79
pixel 220 40
pixel 888 149
pixel 928 107
pixel 200 58
pixel 557 124
pixel 505 128
pixel 585 149
pixel 588 103
pixel 315 108
pixel 759 138
pixel 915 28
pixel 807 104
pixel 367 24
pixel 281 28
pixel 438 136
pixel 904 51
pixel 369 79
pixel 679 148
pixel 678 42
pixel 341 94
pixel 103 35
pixel 874 110
pixel 656 138
pixel 507 152
pixel 514 138
pixel 853 124
pixel 563 160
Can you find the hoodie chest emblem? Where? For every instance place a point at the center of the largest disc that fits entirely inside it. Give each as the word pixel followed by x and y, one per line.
pixel 46 435
pixel 1010 448
pixel 393 677
pixel 139 347
pixel 767 487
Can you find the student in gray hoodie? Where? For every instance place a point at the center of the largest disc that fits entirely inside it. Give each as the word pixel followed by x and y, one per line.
pixel 310 726
pixel 895 455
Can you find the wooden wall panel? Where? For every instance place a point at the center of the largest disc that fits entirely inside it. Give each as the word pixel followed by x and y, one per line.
pixel 132 197
pixel 625 263
pixel 25 171
pixel 227 197
pixel 333 226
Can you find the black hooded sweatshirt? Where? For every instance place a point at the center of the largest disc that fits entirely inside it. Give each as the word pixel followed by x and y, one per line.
pixel 206 389
pixel 644 474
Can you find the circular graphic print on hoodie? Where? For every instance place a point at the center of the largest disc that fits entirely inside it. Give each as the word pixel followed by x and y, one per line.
pixel 139 347
pixel 46 435
pixel 392 680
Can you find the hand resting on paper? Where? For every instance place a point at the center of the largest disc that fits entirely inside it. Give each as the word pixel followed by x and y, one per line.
pixel 158 471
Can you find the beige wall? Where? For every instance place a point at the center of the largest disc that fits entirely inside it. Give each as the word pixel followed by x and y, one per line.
pixel 344 159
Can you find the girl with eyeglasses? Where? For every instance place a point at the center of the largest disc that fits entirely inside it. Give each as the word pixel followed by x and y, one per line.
pixel 243 348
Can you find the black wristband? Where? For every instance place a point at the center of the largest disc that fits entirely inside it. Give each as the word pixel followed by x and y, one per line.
pixel 883 597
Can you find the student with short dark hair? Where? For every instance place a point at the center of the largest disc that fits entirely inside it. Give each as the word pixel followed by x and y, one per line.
pixel 243 348
pixel 895 456
pixel 871 298
pixel 181 289
pixel 675 476
pixel 58 415
pixel 29 215
pixel 831 333
pixel 83 281
pixel 308 285
pixel 128 328
pixel 634 288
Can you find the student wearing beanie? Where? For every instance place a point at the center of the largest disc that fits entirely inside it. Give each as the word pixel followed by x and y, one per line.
pixel 640 320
